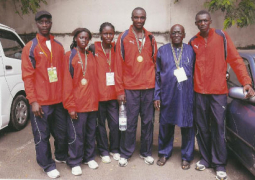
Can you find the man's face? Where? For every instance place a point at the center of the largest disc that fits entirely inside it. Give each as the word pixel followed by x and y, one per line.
pixel 177 34
pixel 203 22
pixel 138 18
pixel 44 25
pixel 82 39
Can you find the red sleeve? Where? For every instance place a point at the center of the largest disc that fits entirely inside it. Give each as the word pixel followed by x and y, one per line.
pixel 28 73
pixel 118 65
pixel 155 50
pixel 236 62
pixel 68 99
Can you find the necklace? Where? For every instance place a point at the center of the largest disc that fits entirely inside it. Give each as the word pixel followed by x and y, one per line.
pixel 83 80
pixel 140 57
pixel 177 61
pixel 108 60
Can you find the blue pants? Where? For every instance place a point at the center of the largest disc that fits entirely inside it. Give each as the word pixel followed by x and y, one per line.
pixel 210 115
pixel 53 122
pixel 81 138
pixel 138 101
pixel 108 110
pixel 166 139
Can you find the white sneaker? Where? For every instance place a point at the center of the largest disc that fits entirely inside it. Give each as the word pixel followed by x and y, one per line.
pixel 123 162
pixel 200 167
pixel 221 175
pixel 116 156
pixel 148 160
pixel 92 164
pixel 53 174
pixel 59 161
pixel 106 159
pixel 76 170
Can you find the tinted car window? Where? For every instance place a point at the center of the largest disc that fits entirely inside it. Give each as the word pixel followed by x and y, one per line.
pixel 11 44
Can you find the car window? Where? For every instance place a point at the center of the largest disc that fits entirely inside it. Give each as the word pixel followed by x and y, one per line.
pixel 11 44
pixel 233 81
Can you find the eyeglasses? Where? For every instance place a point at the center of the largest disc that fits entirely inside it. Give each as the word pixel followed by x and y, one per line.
pixel 203 20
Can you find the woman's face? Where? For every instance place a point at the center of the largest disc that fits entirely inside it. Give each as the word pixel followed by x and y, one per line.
pixel 107 34
pixel 82 39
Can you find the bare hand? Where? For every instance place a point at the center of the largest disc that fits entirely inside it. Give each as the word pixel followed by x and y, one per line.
pixel 37 109
pixel 157 104
pixel 73 115
pixel 122 98
pixel 248 89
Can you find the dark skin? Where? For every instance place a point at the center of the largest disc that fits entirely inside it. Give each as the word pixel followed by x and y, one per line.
pixel 177 34
pixel 203 22
pixel 138 18
pixel 107 36
pixel 82 39
pixel 44 25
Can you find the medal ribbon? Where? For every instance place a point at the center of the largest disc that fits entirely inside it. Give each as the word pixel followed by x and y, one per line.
pixel 108 60
pixel 137 41
pixel 86 63
pixel 177 61
pixel 45 53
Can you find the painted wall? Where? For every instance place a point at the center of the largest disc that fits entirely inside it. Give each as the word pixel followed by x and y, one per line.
pixel 161 15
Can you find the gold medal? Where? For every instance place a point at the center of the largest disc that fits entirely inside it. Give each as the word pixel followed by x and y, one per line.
pixel 84 81
pixel 139 58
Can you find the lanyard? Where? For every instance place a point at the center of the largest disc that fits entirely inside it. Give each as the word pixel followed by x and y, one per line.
pixel 86 62
pixel 137 41
pixel 108 60
pixel 177 61
pixel 45 53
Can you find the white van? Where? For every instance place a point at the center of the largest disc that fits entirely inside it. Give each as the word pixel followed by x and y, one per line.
pixel 14 107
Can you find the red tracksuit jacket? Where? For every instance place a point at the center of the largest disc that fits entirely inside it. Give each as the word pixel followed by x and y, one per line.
pixel 78 97
pixel 35 74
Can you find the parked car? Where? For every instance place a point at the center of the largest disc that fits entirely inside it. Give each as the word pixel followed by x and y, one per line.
pixel 241 116
pixel 14 107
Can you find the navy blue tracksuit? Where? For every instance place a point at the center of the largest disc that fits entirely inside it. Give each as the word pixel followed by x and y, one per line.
pixel 108 110
pixel 210 115
pixel 53 122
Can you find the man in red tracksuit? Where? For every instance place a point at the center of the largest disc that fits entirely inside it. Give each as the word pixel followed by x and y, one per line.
pixel 42 64
pixel 214 49
pixel 135 81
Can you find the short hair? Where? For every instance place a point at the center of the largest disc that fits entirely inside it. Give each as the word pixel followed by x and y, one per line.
pixel 76 32
pixel 138 8
pixel 203 12
pixel 104 25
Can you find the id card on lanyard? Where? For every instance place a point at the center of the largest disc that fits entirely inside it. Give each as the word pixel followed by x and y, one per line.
pixel 180 74
pixel 110 79
pixel 52 73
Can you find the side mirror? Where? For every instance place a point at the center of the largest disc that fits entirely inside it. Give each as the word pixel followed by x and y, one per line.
pixel 237 93
pixel 17 55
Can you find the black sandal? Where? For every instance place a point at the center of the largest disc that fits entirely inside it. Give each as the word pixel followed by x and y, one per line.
pixel 161 161
pixel 185 165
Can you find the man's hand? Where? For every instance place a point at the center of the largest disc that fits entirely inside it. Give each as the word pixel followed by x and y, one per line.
pixel 37 109
pixel 157 104
pixel 73 115
pixel 122 98
pixel 248 91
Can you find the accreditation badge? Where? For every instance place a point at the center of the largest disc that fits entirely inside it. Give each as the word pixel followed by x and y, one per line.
pixel 52 73
pixel 180 74
pixel 110 79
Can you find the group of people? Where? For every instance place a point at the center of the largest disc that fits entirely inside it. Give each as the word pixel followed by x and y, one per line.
pixel 72 94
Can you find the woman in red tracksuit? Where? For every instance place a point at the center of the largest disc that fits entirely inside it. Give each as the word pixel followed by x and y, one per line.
pixel 80 93
pixel 108 105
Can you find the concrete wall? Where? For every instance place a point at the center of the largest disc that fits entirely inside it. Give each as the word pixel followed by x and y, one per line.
pixel 161 15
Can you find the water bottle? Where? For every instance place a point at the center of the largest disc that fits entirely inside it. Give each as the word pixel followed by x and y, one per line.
pixel 122 117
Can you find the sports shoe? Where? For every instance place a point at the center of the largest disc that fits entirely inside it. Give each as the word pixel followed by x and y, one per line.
pixel 221 175
pixel 92 164
pixel 200 167
pixel 106 159
pixel 123 162
pixel 59 161
pixel 53 174
pixel 148 160
pixel 116 156
pixel 76 170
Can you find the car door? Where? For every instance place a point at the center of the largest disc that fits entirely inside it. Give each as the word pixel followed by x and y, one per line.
pixel 241 121
pixel 11 49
